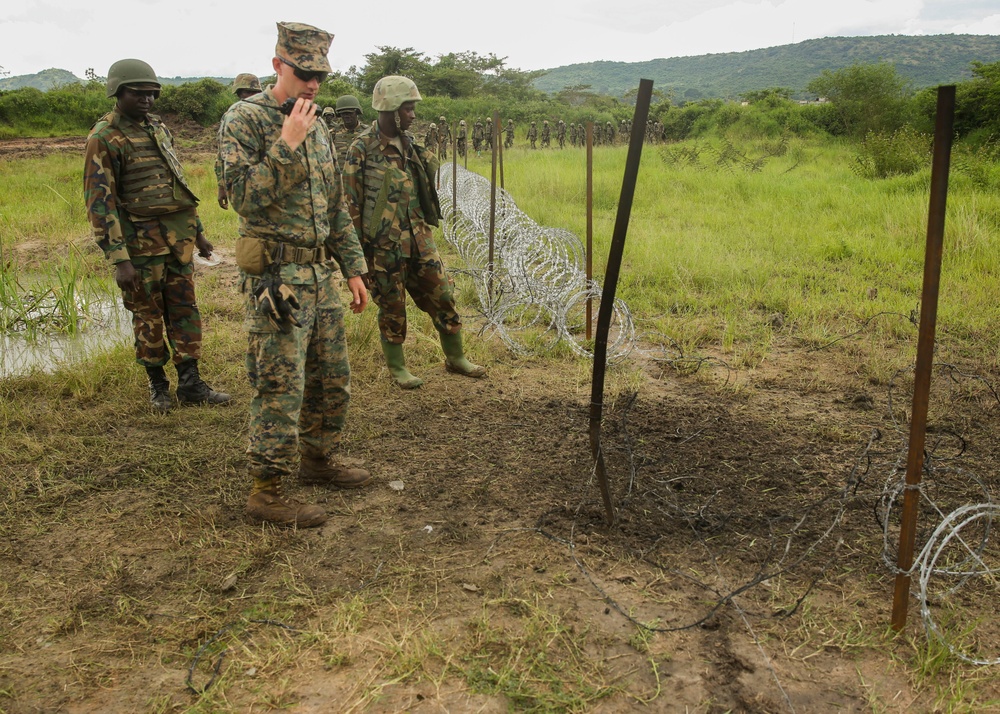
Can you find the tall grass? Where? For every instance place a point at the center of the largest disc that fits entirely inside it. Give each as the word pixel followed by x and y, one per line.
pixel 803 243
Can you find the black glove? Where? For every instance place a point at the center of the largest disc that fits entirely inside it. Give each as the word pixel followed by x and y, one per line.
pixel 277 301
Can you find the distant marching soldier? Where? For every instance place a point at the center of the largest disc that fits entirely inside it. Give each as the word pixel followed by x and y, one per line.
pixel 431 137
pixel 348 110
pixel 572 133
pixel 609 133
pixel 561 133
pixel 623 131
pixel 546 134
pixel 477 136
pixel 533 134
pixel 444 136
pixel 462 138
pixel 508 141
pixel 488 134
pixel 145 219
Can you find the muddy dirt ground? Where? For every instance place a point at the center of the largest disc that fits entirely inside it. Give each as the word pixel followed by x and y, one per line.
pixel 743 572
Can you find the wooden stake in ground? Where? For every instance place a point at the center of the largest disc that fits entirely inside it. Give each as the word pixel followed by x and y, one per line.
pixel 590 224
pixel 493 208
pixel 611 284
pixel 925 350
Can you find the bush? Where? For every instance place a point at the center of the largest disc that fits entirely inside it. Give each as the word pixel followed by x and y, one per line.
pixel 901 153
pixel 204 101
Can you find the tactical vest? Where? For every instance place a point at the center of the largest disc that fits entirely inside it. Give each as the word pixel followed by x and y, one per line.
pixel 380 176
pixel 151 173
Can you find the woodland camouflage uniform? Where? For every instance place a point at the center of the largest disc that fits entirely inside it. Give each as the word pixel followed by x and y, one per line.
pixel 561 133
pixel 294 199
pixel 444 137
pixel 477 136
pixel 508 140
pixel 398 244
pixel 532 134
pixel 144 217
pixel 461 138
pixel 546 134
pixel 141 210
pixel 488 135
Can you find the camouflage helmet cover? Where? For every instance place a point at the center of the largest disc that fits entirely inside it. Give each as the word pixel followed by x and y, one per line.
pixel 392 91
pixel 348 102
pixel 442 119
pixel 133 73
pixel 329 111
pixel 433 125
pixel 246 81
pixel 462 123
pixel 304 46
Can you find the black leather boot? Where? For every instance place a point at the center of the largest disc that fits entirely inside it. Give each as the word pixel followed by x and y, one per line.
pixel 191 389
pixel 159 389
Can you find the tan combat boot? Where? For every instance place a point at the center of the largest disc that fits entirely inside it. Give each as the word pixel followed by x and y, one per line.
pixel 266 504
pixel 320 472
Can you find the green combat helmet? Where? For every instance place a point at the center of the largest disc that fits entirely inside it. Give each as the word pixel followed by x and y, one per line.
pixel 391 92
pixel 246 81
pixel 131 72
pixel 348 102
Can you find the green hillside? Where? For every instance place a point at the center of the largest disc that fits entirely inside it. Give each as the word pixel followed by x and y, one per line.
pixel 44 80
pixel 927 61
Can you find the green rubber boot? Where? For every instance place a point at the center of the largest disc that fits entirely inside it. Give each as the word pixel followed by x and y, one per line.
pixel 397 366
pixel 455 360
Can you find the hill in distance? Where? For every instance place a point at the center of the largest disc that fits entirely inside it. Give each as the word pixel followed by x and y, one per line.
pixel 52 78
pixel 927 61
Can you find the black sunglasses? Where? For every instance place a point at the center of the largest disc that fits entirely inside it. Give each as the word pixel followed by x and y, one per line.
pixel 304 75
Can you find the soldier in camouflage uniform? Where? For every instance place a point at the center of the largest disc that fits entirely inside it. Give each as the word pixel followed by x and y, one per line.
pixel 488 134
pixel 144 217
pixel 572 133
pixel 431 140
pixel 546 134
pixel 348 110
pixel 444 137
pixel 532 134
pixel 388 179
pixel 477 136
pixel 609 133
pixel 461 139
pixel 284 181
pixel 561 134
pixel 508 141
pixel 245 85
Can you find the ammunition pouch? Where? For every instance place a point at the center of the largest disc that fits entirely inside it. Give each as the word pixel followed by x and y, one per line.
pixel 254 255
pixel 430 206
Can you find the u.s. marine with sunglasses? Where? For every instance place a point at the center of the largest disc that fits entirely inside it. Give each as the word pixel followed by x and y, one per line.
pixel 282 179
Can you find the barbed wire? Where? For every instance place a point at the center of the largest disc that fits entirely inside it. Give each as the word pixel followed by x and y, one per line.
pixel 534 295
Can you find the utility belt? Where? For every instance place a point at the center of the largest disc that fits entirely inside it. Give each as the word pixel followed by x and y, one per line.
pixel 254 255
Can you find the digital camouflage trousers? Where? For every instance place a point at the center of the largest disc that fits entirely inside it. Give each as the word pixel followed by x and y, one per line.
pixel 301 382
pixel 165 317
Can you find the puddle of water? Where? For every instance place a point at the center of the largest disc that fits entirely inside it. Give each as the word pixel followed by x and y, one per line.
pixel 107 324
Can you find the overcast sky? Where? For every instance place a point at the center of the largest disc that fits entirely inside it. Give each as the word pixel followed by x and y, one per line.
pixel 215 38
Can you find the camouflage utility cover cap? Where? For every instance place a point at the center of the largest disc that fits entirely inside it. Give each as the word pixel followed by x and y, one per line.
pixel 304 46
pixel 246 81
pixel 133 73
pixel 348 101
pixel 391 92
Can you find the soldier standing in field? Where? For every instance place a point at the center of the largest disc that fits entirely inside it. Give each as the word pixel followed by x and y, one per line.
pixel 508 141
pixel 348 110
pixel 532 134
pixel 444 137
pixel 477 136
pixel 245 85
pixel 283 179
pixel 431 137
pixel 145 220
pixel 572 133
pixel 561 134
pixel 609 133
pixel 488 134
pixel 546 134
pixel 461 139
pixel 388 179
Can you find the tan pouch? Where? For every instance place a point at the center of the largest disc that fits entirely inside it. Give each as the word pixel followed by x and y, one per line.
pixel 252 255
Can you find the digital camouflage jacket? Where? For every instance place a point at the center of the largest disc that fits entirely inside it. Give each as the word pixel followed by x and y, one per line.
pixel 294 197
